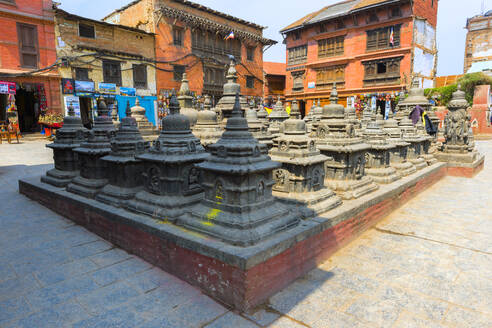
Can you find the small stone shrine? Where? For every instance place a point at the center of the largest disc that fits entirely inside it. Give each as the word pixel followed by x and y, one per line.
pixel 415 149
pixel 336 138
pixel 171 180
pixel 458 149
pixel 146 128
pixel 207 129
pixel 257 129
pixel 68 137
pixel 231 88
pixel 308 119
pixel 367 116
pixel 378 156
pixel 300 180
pixel 277 116
pixel 124 171
pixel 114 114
pixel 238 207
pixel 398 154
pixel 93 170
pixel 186 101
pixel 262 115
pixel 427 144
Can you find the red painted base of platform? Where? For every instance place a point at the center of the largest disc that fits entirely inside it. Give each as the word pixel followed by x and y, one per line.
pixel 242 289
pixel 465 172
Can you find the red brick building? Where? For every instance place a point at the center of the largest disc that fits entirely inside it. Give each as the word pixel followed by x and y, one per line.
pixel 27 50
pixel 274 85
pixel 191 38
pixel 368 47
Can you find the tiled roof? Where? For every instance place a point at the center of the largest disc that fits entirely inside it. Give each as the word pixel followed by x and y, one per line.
pixel 336 10
pixel 272 68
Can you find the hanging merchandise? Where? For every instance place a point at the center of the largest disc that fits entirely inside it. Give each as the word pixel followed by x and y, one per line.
pixel 43 104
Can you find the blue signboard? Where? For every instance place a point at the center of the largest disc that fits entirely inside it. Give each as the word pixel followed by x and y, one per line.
pixel 107 87
pixel 84 86
pixel 131 92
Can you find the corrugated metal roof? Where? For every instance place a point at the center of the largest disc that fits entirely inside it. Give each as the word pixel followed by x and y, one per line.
pixel 336 10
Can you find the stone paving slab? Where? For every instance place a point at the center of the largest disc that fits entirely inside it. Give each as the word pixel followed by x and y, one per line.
pixel 429 264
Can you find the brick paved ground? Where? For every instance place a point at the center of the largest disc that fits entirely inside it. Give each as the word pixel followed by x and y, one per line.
pixel 427 265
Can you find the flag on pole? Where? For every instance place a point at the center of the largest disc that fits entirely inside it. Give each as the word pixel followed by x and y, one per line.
pixel 392 37
pixel 230 36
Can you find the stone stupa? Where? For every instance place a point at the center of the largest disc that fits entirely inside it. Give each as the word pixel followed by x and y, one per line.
pixel 171 180
pixel 378 156
pixel 186 101
pixel 207 129
pixel 238 207
pixel 345 166
pixel 258 129
pixel 277 116
pixel 146 128
pixel 398 154
pixel 124 170
pixel 68 138
pixel 93 170
pixel 300 180
pixel 262 115
pixel 231 88
pixel 415 149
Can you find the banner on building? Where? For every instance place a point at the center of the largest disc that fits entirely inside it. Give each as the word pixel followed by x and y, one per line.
pixel 107 87
pixel 75 102
pixel 84 86
pixel 311 85
pixel 7 88
pixel 130 92
pixel 68 86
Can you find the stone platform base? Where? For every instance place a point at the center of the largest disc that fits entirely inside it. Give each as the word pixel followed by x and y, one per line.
pixel 466 170
pixel 242 277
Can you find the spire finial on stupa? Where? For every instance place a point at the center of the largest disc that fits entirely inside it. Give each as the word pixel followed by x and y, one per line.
pixel 174 104
pixel 334 94
pixel 128 110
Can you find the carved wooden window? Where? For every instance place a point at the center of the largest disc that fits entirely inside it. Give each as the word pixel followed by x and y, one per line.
pixel 322 28
pixel 296 35
pixel 198 38
pixel 213 76
pixel 81 74
pixel 250 53
pixel 331 47
pixel 87 31
pixel 327 75
pixel 297 55
pixel 27 36
pixel 178 34
pixel 178 71
pixel 372 17
pixel 383 38
pixel 298 81
pixel 382 71
pixel 394 12
pixel 140 76
pixel 250 81
pixel 112 72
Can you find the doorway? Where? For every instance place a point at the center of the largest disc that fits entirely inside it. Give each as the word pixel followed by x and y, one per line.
pixel 28 110
pixel 4 99
pixel 86 111
pixel 302 108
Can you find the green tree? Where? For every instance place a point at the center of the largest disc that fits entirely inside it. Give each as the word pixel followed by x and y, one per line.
pixel 470 81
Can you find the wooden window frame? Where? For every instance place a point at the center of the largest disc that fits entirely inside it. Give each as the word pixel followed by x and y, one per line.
pixel 178 31
pixel 331 47
pixel 250 81
pixel 392 71
pixel 23 52
pixel 298 75
pixel 176 70
pixel 297 55
pixel 116 80
pixel 325 76
pixel 88 25
pixel 140 84
pixel 250 53
pixel 79 69
pixel 378 39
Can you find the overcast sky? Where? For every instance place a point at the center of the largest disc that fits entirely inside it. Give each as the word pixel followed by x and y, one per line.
pixel 277 14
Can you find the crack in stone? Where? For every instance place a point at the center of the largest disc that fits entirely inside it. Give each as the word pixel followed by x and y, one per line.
pixel 428 239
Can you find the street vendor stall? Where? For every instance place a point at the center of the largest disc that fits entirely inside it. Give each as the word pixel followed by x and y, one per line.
pixel 49 123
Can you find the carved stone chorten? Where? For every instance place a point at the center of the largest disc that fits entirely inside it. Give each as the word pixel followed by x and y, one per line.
pixel 308 119
pixel 226 104
pixel 124 170
pixel 186 101
pixel 238 207
pixel 415 149
pixel 458 148
pixel 259 131
pixel 93 170
pixel 398 154
pixel 378 156
pixel 207 129
pixel 427 142
pixel 114 114
pixel 367 116
pixel 277 116
pixel 317 112
pixel 262 115
pixel 351 117
pixel 144 126
pixel 171 180
pixel 300 180
pixel 69 137
pixel 336 139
